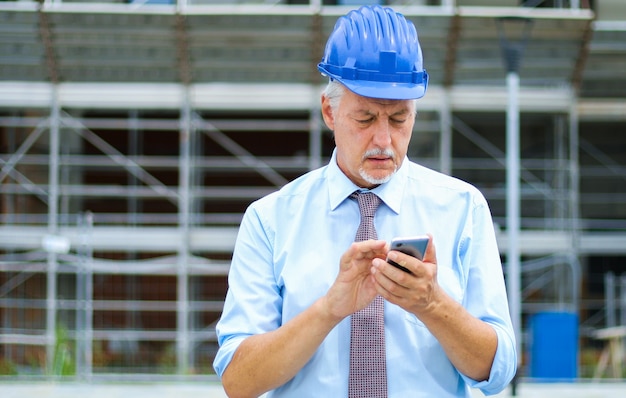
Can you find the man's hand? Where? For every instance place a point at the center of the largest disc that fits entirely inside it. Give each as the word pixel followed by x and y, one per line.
pixel 417 291
pixel 355 286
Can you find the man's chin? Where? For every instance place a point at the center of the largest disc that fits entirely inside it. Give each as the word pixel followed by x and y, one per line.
pixel 376 178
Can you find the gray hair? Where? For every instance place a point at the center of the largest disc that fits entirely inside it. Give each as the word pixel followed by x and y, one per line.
pixel 334 91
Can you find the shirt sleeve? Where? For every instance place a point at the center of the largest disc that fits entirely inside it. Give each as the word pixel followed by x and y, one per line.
pixel 487 299
pixel 253 302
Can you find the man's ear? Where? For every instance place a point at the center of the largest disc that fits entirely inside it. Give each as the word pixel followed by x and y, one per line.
pixel 327 113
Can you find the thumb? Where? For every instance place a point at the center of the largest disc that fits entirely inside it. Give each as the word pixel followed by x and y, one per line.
pixel 431 254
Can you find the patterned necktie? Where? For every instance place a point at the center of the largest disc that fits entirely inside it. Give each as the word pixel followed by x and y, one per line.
pixel 368 374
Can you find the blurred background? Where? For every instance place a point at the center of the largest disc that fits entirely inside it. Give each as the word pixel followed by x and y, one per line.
pixel 133 135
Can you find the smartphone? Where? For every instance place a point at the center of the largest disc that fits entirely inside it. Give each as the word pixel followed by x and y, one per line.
pixel 412 245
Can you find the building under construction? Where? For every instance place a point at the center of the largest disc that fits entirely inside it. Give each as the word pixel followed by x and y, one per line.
pixel 133 135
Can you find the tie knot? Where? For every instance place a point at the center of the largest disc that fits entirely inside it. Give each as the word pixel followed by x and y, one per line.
pixel 368 203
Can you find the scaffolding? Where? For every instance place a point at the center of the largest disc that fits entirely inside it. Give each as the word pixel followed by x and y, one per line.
pixel 128 158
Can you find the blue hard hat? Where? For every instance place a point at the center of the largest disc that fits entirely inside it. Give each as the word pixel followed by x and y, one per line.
pixel 375 52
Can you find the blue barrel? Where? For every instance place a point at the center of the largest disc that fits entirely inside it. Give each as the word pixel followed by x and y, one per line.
pixel 554 346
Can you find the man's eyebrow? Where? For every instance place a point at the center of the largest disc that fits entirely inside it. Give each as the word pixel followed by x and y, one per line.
pixel 364 112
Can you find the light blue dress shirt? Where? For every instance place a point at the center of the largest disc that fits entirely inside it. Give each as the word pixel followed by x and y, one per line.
pixel 287 256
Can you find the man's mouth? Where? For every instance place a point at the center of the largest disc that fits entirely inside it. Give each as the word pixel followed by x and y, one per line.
pixel 379 159
pixel 379 156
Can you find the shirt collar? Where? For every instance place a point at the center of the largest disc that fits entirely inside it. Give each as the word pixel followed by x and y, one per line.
pixel 340 186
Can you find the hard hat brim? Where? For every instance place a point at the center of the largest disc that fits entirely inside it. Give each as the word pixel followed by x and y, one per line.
pixel 405 87
pixel 385 90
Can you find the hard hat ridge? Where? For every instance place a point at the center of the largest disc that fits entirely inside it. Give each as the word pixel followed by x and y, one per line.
pixel 375 52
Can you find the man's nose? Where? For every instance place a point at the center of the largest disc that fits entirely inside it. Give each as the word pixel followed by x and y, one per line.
pixel 382 134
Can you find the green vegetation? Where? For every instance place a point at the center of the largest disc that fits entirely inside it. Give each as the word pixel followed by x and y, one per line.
pixel 64 363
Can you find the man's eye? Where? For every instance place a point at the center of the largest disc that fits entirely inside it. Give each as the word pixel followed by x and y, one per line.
pixel 364 121
pixel 398 121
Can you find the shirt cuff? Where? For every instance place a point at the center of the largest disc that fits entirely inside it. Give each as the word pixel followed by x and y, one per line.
pixel 225 354
pixel 503 368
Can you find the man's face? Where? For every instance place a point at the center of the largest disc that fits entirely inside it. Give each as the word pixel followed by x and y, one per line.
pixel 372 136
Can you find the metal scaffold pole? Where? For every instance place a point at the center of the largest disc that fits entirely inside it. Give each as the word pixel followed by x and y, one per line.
pixel 513 204
pixel 512 53
pixel 53 208
pixel 183 342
